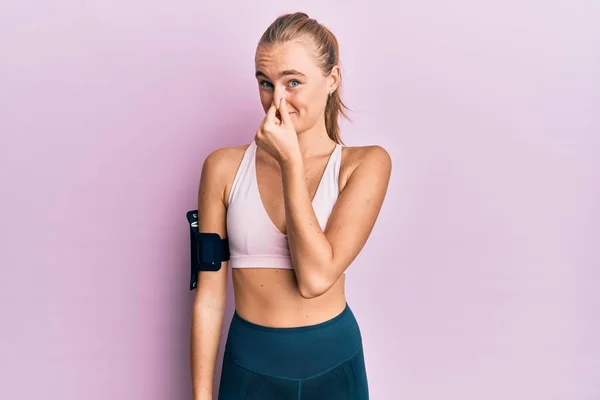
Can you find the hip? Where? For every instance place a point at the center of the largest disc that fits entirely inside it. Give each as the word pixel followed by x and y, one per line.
pixel 298 352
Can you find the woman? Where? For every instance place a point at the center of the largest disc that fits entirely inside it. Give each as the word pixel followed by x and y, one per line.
pixel 296 207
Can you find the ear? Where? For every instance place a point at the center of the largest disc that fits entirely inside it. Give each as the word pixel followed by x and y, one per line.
pixel 333 80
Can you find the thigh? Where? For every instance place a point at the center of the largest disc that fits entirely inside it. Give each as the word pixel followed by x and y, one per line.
pixel 347 381
pixel 239 383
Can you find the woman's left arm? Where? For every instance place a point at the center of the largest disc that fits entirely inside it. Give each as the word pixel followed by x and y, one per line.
pixel 321 257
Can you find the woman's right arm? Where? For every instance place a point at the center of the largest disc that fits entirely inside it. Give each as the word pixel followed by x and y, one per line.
pixel 211 291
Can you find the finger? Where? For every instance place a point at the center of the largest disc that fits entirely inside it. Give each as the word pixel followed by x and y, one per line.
pixel 271 117
pixel 283 112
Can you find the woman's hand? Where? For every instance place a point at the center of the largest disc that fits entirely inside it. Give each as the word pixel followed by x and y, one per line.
pixel 277 136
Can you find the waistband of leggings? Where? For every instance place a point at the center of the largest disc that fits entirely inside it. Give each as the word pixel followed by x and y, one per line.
pixel 294 352
pixel 321 325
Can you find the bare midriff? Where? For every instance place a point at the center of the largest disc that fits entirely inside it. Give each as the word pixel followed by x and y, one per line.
pixel 270 297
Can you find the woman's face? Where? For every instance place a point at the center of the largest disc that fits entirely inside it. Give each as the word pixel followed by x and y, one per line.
pixel 290 70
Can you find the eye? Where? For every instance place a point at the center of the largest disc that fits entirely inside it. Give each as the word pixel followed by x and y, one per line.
pixel 265 84
pixel 293 83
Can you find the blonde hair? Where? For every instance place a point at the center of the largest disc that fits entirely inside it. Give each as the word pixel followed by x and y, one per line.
pixel 299 26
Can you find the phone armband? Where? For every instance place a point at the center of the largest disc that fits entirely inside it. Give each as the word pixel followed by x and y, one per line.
pixel 207 250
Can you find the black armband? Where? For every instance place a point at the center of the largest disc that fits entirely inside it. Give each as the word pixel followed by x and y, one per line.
pixel 207 250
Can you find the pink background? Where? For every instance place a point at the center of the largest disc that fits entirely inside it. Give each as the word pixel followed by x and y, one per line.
pixel 481 278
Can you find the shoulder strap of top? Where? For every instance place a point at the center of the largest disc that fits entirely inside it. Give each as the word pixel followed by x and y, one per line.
pixel 241 175
pixel 337 164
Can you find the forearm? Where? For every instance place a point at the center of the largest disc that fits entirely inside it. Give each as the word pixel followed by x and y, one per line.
pixel 310 250
pixel 207 322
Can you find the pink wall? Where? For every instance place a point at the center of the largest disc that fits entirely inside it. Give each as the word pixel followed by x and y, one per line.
pixel 480 280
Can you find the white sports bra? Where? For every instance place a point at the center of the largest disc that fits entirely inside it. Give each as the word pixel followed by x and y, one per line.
pixel 254 240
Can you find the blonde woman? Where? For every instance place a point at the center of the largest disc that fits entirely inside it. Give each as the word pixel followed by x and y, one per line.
pixel 294 207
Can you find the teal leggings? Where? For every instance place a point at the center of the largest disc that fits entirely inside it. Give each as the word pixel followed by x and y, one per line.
pixel 315 362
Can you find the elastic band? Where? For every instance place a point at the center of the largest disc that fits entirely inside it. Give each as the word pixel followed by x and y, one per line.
pixel 294 328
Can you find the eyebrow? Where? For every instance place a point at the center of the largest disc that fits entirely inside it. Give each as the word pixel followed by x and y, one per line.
pixel 281 74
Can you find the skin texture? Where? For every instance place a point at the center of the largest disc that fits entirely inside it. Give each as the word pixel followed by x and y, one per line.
pixel 293 150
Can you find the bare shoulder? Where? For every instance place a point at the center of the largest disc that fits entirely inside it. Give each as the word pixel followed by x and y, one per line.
pixel 367 153
pixel 220 166
pixel 220 160
pixel 373 159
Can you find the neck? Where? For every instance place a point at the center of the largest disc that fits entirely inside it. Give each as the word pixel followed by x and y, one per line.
pixel 315 141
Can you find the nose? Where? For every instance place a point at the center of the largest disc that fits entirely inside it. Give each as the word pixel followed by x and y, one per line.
pixel 278 93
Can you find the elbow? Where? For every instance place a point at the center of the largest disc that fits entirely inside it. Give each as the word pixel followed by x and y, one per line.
pixel 308 293
pixel 312 288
